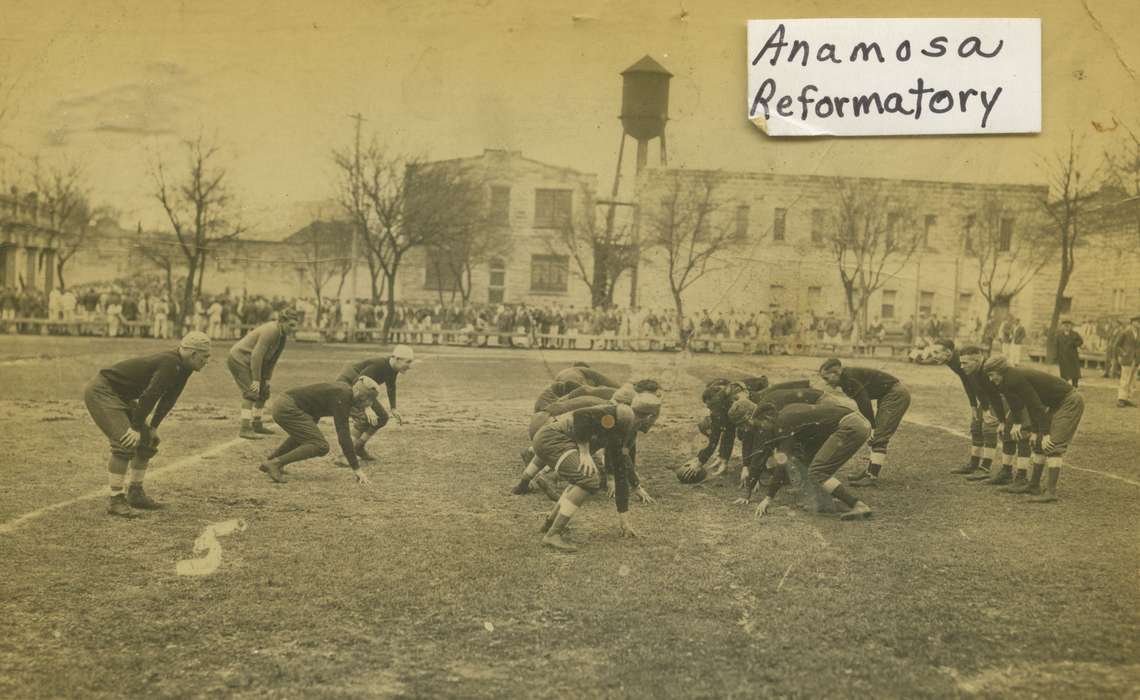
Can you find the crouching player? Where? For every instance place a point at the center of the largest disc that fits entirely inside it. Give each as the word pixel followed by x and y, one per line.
pixel 121 397
pixel 865 385
pixel 718 396
pixel 826 434
pixel 983 419
pixel 251 363
pixel 1014 446
pixel 567 442
pixel 1055 409
pixel 367 420
pixel 298 412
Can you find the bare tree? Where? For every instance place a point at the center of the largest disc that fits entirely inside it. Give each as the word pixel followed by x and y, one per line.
pixel 162 253
pixel 871 235
pixel 199 209
pixel 601 252
pixel 1011 247
pixel 1071 188
pixel 455 256
pixel 689 226
pixel 352 165
pixel 64 198
pixel 323 249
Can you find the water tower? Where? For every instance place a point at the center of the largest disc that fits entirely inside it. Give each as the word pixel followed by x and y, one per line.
pixel 645 107
pixel 644 113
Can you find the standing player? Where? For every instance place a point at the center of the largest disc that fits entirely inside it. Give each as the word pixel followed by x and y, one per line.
pixel 251 362
pixel 368 420
pixel 865 385
pixel 121 397
pixel 827 434
pixel 1055 409
pixel 568 443
pixel 983 418
pixel 1126 351
pixel 1013 448
pixel 298 412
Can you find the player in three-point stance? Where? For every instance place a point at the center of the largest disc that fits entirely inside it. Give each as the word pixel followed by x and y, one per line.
pixel 122 397
pixel 384 371
pixel 865 385
pixel 298 412
pixel 568 443
pixel 826 434
pixel 983 416
pixel 251 362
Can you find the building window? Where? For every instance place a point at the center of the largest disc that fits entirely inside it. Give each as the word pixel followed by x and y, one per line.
pixel 779 221
pixel 742 221
pixel 968 233
pixel 893 218
pixel 497 281
pixel 815 295
pixel 818 221
pixel 549 273
pixel 929 228
pixel 926 303
pixel 776 297
pixel 500 205
pixel 1065 304
pixel 1118 299
pixel 1005 235
pixel 965 301
pixel 551 208
pixel 437 273
pixel 887 310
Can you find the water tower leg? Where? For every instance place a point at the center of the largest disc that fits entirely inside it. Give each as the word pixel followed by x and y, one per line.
pixel 664 155
pixel 642 154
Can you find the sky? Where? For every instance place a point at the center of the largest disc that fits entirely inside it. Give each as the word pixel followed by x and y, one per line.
pixel 117 85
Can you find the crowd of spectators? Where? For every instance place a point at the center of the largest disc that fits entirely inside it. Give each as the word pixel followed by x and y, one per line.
pixel 145 309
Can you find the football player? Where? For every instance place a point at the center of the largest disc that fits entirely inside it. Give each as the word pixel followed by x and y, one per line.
pixel 865 385
pixel 251 363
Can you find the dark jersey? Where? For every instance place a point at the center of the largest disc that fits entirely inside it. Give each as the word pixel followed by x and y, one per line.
pixel 722 432
pixel 554 391
pixel 955 365
pixel 865 385
pixel 155 381
pixel 612 427
pixel 584 376
pixel 378 369
pixel 1034 391
pixel 989 398
pixel 329 399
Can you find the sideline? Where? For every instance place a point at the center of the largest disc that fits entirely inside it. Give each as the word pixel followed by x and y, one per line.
pixel 15 523
pixel 962 434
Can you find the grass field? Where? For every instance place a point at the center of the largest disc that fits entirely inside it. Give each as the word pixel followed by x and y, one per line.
pixel 433 582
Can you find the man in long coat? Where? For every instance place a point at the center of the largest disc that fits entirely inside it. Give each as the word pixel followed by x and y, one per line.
pixel 1068 352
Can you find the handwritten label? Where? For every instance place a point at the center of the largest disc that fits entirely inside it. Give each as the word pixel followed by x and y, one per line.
pixel 865 77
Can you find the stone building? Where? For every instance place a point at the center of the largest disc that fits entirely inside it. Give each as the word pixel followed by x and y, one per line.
pixel 781 259
pixel 530 201
pixel 27 245
pixel 1106 275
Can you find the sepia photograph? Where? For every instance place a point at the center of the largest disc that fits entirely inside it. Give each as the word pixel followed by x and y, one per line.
pixel 629 349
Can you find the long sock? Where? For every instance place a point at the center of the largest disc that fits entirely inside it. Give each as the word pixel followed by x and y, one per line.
pixel 246 415
pixel 878 459
pixel 1038 469
pixel 307 451
pixel 116 471
pixel 138 473
pixel 530 472
pixel 988 457
pixel 566 510
pixel 838 490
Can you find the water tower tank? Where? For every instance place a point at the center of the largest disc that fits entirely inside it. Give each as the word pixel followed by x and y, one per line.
pixel 645 99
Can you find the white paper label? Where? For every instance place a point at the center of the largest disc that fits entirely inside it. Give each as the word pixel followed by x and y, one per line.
pixel 865 77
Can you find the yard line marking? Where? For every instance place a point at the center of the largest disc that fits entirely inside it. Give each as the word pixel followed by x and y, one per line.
pixel 961 434
pixel 11 525
pixel 211 550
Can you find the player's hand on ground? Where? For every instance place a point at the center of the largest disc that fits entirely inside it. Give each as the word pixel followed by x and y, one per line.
pixel 716 466
pixel 627 527
pixel 643 496
pixel 611 489
pixel 399 418
pixel 1047 443
pixel 370 414
pixel 586 461
pixel 762 509
pixel 362 478
pixel 130 438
